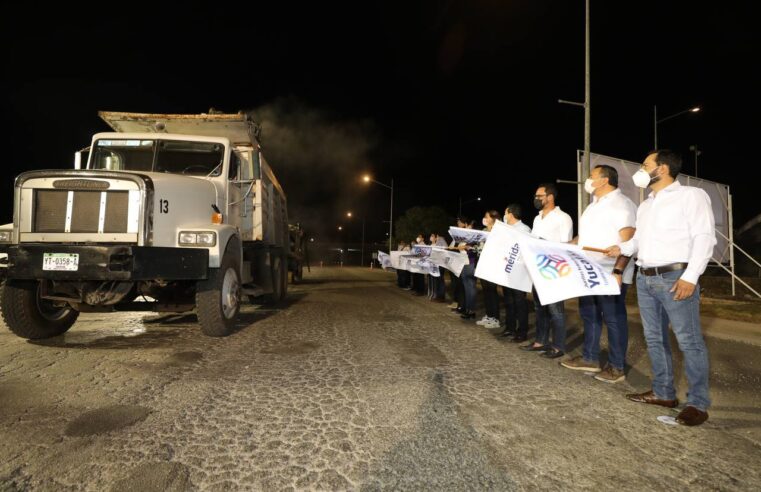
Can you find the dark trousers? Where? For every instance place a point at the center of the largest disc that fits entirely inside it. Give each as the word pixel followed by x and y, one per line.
pixel 516 311
pixel 491 299
pixel 441 285
pixel 418 282
pixel 469 287
pixel 403 278
pixel 456 285
pixel 551 315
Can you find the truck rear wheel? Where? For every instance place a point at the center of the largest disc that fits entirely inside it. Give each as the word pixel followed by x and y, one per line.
pixel 218 297
pixel 28 315
pixel 279 278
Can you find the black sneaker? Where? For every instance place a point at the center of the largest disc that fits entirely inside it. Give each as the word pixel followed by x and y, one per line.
pixel 468 315
pixel 553 353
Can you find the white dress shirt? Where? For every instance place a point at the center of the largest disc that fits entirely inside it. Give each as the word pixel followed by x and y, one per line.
pixel 521 227
pixel 555 226
pixel 600 224
pixel 676 225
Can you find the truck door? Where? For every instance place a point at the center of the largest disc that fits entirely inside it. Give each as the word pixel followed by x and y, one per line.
pixel 242 191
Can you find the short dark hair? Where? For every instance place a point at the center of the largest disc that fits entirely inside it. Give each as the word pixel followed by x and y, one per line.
pixel 668 158
pixel 494 214
pixel 608 172
pixel 515 210
pixel 462 219
pixel 550 189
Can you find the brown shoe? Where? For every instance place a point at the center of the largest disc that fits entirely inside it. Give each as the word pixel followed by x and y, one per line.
pixel 691 416
pixel 650 398
pixel 578 363
pixel 611 375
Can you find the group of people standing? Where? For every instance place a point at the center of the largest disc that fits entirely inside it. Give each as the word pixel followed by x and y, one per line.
pixel 672 236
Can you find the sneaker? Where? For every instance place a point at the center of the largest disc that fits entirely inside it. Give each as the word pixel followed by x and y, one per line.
pixel 578 363
pixel 482 320
pixel 491 323
pixel 611 375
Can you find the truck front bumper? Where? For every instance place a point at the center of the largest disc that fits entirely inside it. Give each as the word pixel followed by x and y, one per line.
pixel 109 262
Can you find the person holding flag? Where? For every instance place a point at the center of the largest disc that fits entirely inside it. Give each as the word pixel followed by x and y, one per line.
pixel 551 224
pixel 609 219
pixel 674 242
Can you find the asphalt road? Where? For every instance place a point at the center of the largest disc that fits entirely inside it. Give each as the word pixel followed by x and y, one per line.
pixel 354 384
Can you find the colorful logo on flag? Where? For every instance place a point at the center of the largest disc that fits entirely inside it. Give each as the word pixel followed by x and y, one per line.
pixel 552 266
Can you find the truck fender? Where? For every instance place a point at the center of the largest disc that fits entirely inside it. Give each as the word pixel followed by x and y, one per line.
pixel 225 233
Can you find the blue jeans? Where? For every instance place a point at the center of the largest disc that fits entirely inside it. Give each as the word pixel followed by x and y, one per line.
pixel 469 286
pixel 550 314
pixel 593 310
pixel 657 308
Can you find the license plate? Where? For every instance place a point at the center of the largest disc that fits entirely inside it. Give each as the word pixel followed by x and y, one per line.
pixel 66 262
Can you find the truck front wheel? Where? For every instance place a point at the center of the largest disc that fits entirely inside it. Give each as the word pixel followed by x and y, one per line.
pixel 30 316
pixel 218 297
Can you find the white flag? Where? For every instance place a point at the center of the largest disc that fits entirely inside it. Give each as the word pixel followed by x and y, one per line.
pixel 396 259
pixel 501 261
pixel 384 260
pixel 562 271
pixel 469 236
pixel 453 261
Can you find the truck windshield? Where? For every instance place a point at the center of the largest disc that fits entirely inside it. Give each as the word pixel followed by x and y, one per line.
pixel 166 156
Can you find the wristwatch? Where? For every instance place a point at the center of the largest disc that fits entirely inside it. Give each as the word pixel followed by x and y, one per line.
pixel 618 271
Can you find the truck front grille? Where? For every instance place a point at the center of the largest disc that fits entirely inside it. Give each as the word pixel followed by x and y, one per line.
pixel 88 210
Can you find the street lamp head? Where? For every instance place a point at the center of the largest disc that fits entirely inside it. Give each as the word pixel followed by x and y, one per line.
pixel 348 214
pixel 340 228
pixel 695 109
pixel 366 179
pixel 479 198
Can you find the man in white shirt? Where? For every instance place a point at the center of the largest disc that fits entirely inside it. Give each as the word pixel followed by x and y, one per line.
pixel 516 307
pixel 551 224
pixel 609 219
pixel 674 241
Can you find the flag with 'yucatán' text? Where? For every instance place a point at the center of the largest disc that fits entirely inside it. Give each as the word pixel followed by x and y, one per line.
pixel 469 236
pixel 562 271
pixel 501 261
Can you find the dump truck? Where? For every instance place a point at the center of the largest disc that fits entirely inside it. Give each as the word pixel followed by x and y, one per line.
pixel 166 213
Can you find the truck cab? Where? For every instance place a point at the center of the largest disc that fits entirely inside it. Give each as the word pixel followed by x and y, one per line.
pixel 182 209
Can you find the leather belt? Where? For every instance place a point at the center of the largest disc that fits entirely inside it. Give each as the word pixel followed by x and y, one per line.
pixel 663 269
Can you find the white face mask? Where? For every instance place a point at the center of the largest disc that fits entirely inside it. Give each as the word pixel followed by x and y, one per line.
pixel 588 185
pixel 485 222
pixel 505 219
pixel 641 178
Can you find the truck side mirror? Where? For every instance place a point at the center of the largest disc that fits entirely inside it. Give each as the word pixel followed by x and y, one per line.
pixel 79 156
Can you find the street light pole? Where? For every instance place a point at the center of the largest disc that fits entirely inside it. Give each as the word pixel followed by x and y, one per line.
pixel 368 179
pixel 584 197
pixel 694 148
pixel 656 120
pixel 587 112
pixel 391 218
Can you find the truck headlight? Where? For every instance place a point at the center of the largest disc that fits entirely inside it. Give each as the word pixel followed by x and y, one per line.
pixel 205 239
pixel 5 236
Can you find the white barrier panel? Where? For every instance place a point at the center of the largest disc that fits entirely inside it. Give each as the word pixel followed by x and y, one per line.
pixel 717 192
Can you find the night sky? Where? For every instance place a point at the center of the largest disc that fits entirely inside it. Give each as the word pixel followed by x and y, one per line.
pixel 450 98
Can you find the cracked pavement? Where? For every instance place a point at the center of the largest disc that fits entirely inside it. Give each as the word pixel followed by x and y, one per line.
pixel 353 384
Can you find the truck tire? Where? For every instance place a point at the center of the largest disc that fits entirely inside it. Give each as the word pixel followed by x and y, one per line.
pixel 279 272
pixel 218 297
pixel 29 316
